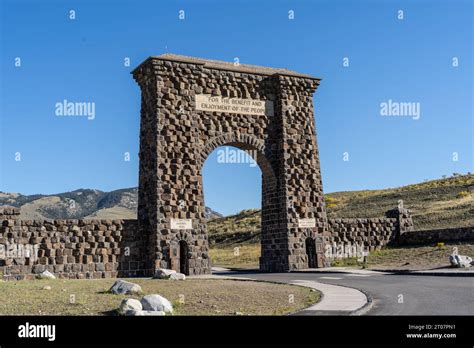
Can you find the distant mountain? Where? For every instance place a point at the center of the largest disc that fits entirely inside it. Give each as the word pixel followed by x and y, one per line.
pixel 82 203
pixel 211 214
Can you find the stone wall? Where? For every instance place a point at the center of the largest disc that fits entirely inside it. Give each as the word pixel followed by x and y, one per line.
pixel 69 248
pixel 111 248
pixel 9 213
pixel 115 248
pixel 372 233
pixel 396 229
pixel 435 236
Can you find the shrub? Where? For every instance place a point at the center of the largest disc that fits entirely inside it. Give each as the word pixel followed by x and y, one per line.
pixel 462 194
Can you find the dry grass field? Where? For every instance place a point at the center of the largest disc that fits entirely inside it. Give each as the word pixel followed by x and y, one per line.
pixel 189 297
pixel 415 257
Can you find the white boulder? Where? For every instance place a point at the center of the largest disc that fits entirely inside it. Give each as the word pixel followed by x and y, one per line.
pixel 163 273
pixel 177 276
pixel 123 287
pixel 460 261
pixel 46 275
pixel 156 302
pixel 129 305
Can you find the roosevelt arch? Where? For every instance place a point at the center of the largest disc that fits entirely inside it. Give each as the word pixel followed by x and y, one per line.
pixel 189 107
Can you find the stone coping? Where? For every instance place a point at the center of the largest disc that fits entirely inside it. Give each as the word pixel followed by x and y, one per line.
pixel 228 66
pixel 9 210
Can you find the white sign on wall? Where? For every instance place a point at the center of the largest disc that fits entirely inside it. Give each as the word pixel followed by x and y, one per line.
pixel 307 223
pixel 181 224
pixel 208 102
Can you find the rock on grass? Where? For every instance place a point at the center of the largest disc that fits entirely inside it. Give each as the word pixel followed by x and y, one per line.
pixel 123 287
pixel 46 275
pixel 177 276
pixel 460 261
pixel 129 305
pixel 163 273
pixel 156 302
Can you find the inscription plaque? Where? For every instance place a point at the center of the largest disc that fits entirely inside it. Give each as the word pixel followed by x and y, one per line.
pixel 307 223
pixel 207 102
pixel 181 224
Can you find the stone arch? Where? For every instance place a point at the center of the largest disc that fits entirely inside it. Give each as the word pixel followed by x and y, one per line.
pixel 190 106
pixel 247 143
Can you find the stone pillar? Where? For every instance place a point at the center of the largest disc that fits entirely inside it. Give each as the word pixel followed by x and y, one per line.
pixel 299 192
pixel 404 219
pixel 170 184
pixel 148 226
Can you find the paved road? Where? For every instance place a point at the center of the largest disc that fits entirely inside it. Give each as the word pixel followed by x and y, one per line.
pixel 420 295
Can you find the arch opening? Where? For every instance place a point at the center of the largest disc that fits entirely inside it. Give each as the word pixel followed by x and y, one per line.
pixel 240 238
pixel 249 144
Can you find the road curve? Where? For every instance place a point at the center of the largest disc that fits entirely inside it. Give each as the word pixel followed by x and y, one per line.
pixel 391 294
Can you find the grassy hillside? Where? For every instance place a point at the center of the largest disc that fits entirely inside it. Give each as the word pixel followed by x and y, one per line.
pixel 439 203
pixel 241 228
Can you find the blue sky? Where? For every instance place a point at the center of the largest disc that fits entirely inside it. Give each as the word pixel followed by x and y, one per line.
pixel 408 60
